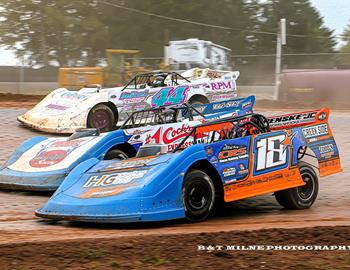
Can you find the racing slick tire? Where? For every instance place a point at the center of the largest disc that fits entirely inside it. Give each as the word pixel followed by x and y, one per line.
pixel 301 197
pixel 115 154
pixel 101 117
pixel 198 195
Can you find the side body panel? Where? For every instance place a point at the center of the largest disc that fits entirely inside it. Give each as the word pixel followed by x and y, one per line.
pixel 255 165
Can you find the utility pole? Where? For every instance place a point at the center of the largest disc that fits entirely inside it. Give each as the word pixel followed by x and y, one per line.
pixel 281 40
pixel 21 76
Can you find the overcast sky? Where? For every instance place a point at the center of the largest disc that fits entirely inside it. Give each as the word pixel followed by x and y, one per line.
pixel 336 15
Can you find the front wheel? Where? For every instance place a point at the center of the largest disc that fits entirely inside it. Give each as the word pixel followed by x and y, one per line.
pixel 101 117
pixel 198 195
pixel 300 197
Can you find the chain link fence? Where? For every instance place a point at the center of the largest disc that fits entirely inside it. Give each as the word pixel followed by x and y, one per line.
pixel 257 72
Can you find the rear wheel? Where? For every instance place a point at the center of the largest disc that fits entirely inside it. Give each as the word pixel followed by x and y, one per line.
pixel 300 197
pixel 115 154
pixel 198 195
pixel 101 117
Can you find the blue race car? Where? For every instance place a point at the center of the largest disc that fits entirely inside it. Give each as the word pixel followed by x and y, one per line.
pixel 228 160
pixel 42 163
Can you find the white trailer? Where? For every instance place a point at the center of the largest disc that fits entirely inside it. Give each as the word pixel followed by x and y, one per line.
pixel 190 53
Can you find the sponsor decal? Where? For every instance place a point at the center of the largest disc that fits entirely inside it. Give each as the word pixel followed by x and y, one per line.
pixel 48 158
pixel 57 107
pixel 209 150
pixel 55 152
pixel 292 119
pixel 213 160
pixel 70 144
pixel 224 85
pixel 169 136
pixel 133 96
pixel 223 97
pixel 73 96
pixel 322 116
pixel 227 172
pixel 113 179
pixel 232 153
pixel 139 131
pixel 242 169
pixel 326 150
pixel 246 104
pixel 261 180
pixel 213 74
pixel 315 131
pixel 127 164
pixel 173 134
pixel 227 104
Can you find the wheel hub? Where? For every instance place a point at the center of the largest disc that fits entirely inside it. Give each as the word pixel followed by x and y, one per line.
pixel 101 119
pixel 306 191
pixel 198 197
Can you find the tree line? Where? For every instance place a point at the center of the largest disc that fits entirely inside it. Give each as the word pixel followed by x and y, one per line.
pixel 77 32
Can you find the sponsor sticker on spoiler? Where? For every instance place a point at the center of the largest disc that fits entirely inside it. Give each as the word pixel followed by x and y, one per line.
pixel 292 119
pixel 315 131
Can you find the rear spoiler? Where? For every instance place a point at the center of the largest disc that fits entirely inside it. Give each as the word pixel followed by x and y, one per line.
pixel 311 129
pixel 298 119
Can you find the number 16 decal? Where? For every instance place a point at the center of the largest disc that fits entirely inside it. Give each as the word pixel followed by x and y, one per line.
pixel 271 152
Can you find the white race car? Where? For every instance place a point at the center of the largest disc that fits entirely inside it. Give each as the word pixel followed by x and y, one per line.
pixel 64 111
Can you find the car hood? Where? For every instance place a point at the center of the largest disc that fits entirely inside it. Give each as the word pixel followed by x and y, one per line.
pixel 53 154
pixel 114 177
pixel 62 102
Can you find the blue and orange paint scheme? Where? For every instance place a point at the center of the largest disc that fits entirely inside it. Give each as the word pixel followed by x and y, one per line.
pixel 151 188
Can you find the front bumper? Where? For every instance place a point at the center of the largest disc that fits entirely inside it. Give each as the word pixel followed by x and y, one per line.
pixel 106 210
pixel 14 180
pixel 127 218
pixel 49 125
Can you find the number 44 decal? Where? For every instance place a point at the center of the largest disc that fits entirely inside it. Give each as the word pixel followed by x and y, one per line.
pixel 170 95
pixel 271 153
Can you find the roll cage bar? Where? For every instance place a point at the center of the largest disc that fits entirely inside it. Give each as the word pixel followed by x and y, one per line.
pixel 145 78
pixel 154 115
pixel 219 125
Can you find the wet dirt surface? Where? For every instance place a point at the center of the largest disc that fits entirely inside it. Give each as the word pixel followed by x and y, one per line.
pixel 18 101
pixel 182 252
pixel 18 223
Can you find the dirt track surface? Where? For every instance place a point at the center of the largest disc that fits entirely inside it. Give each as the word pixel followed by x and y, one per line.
pixel 18 224
pixel 181 251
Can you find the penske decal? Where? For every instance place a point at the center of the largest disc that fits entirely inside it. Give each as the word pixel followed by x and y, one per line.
pixel 292 119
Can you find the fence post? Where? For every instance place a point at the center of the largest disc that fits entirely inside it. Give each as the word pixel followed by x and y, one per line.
pixel 21 78
pixel 281 40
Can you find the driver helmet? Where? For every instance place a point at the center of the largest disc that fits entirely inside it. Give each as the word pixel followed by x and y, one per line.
pixel 158 81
